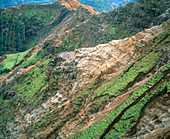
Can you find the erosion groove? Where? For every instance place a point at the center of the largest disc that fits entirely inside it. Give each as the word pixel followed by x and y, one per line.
pixel 120 116
pixel 163 72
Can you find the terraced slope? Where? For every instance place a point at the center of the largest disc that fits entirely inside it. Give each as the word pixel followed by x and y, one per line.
pixel 97 92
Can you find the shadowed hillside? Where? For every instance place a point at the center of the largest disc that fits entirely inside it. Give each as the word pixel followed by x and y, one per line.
pixel 25 26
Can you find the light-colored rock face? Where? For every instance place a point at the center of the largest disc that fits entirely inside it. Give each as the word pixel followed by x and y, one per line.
pixel 107 60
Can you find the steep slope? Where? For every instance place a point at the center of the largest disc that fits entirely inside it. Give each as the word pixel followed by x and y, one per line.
pixel 24 31
pixel 120 23
pixel 49 45
pixel 24 26
pixel 94 92
pixel 61 89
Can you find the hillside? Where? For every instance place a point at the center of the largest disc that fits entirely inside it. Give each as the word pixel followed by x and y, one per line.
pixel 93 92
pixel 32 27
pixel 90 75
pixel 25 26
pixel 123 22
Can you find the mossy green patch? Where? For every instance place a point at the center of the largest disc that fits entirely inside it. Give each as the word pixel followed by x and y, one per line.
pixel 132 115
pixel 112 30
pixel 143 92
pixel 162 38
pixel 11 61
pixel 30 88
pixel 34 80
pixel 34 58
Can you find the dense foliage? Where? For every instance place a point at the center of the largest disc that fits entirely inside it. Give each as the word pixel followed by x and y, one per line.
pixel 22 28
pixel 118 24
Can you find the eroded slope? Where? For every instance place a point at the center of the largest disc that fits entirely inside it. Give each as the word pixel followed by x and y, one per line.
pixel 90 92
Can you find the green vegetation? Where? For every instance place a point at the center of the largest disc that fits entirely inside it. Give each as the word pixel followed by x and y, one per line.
pixel 79 12
pixel 32 88
pixel 97 129
pixel 119 84
pixel 11 61
pixel 24 27
pixel 131 116
pixel 112 31
pixel 121 23
pixel 34 82
pixel 29 90
pixel 161 38
pixel 34 58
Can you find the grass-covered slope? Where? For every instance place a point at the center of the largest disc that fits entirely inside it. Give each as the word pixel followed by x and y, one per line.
pixel 54 98
pixel 32 87
pixel 123 119
pixel 12 61
pixel 45 47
